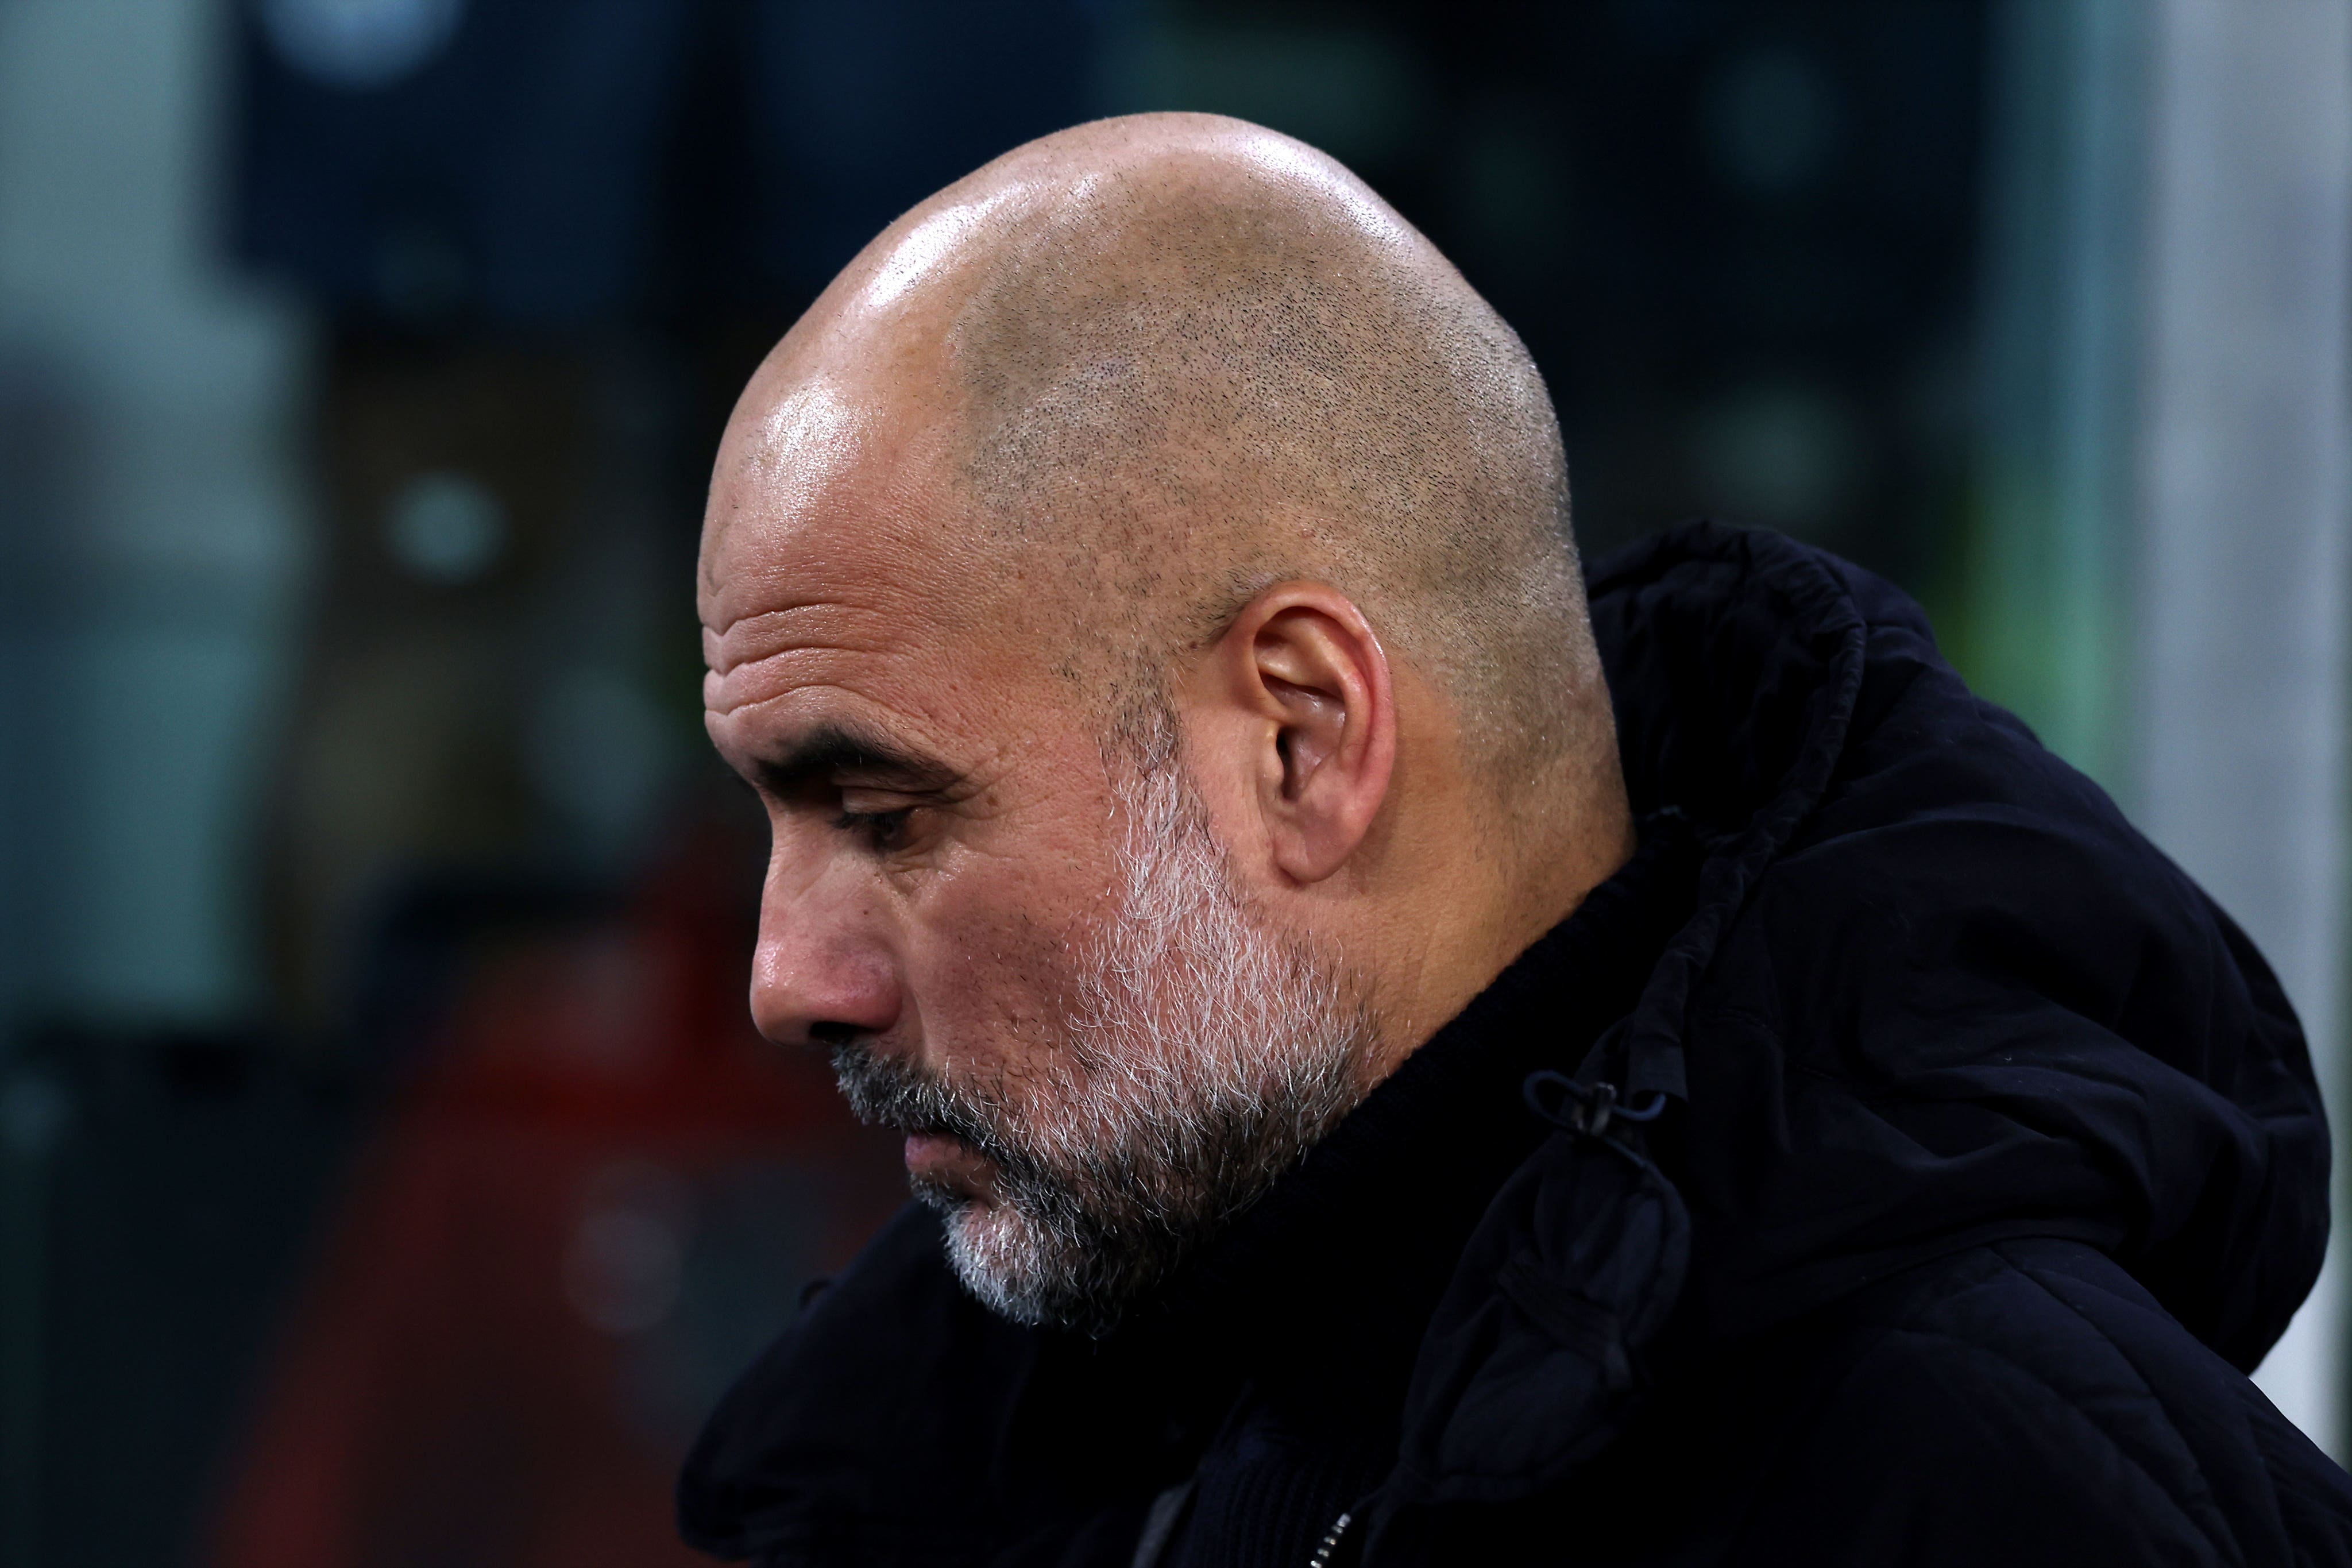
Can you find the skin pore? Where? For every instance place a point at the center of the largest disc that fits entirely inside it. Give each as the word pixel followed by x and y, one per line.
pixel 1139 590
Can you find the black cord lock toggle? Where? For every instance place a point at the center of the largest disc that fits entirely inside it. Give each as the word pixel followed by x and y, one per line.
pixel 1587 1108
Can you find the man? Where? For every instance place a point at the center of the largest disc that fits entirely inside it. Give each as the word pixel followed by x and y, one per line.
pixel 1400 1067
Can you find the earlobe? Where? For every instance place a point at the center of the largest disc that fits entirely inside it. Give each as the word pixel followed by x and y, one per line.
pixel 1318 680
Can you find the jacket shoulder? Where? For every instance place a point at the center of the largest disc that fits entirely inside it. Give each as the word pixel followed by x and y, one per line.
pixel 2028 1401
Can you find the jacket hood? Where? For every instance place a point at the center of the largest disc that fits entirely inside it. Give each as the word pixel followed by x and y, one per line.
pixel 1936 991
pixel 1931 992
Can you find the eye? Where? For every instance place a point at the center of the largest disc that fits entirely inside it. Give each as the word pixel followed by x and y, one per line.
pixel 881 830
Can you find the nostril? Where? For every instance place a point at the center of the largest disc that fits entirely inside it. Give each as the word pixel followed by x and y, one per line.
pixel 818 986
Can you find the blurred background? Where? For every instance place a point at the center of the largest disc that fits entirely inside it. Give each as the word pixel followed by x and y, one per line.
pixel 388 1172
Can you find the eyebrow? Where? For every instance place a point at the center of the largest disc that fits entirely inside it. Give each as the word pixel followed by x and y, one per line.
pixel 830 751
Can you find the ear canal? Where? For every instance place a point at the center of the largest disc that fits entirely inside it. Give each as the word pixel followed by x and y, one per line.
pixel 1286 746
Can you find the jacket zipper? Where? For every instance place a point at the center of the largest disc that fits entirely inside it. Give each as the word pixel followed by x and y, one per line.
pixel 1330 1540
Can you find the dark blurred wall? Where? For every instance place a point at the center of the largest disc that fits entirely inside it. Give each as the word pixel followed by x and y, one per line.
pixel 152 550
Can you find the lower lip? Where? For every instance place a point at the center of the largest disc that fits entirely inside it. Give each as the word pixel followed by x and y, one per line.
pixel 929 1151
pixel 950 1164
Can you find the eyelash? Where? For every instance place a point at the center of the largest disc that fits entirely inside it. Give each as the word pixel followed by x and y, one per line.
pixel 881 829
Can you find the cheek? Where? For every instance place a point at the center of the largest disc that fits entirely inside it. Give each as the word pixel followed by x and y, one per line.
pixel 990 964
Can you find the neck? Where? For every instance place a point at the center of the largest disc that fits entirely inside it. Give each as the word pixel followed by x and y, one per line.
pixel 1468 921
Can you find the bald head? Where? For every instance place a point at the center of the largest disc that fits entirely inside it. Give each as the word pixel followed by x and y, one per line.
pixel 1172 359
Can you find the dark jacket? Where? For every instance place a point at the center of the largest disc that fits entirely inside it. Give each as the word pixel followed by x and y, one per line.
pixel 1982 1156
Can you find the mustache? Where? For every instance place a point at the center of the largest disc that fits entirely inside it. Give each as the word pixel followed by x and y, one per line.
pixel 883 1091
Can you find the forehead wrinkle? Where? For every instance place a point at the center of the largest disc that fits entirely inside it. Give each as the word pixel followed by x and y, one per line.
pixel 770 654
pixel 975 759
pixel 780 671
pixel 818 622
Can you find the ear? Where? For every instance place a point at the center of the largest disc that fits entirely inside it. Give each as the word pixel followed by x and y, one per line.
pixel 1317 723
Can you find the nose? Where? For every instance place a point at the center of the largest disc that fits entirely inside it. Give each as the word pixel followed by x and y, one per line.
pixel 823 971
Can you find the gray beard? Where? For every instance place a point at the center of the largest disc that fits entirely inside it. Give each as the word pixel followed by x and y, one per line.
pixel 1204 1055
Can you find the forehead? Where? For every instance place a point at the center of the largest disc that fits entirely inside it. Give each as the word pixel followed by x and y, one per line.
pixel 842 552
